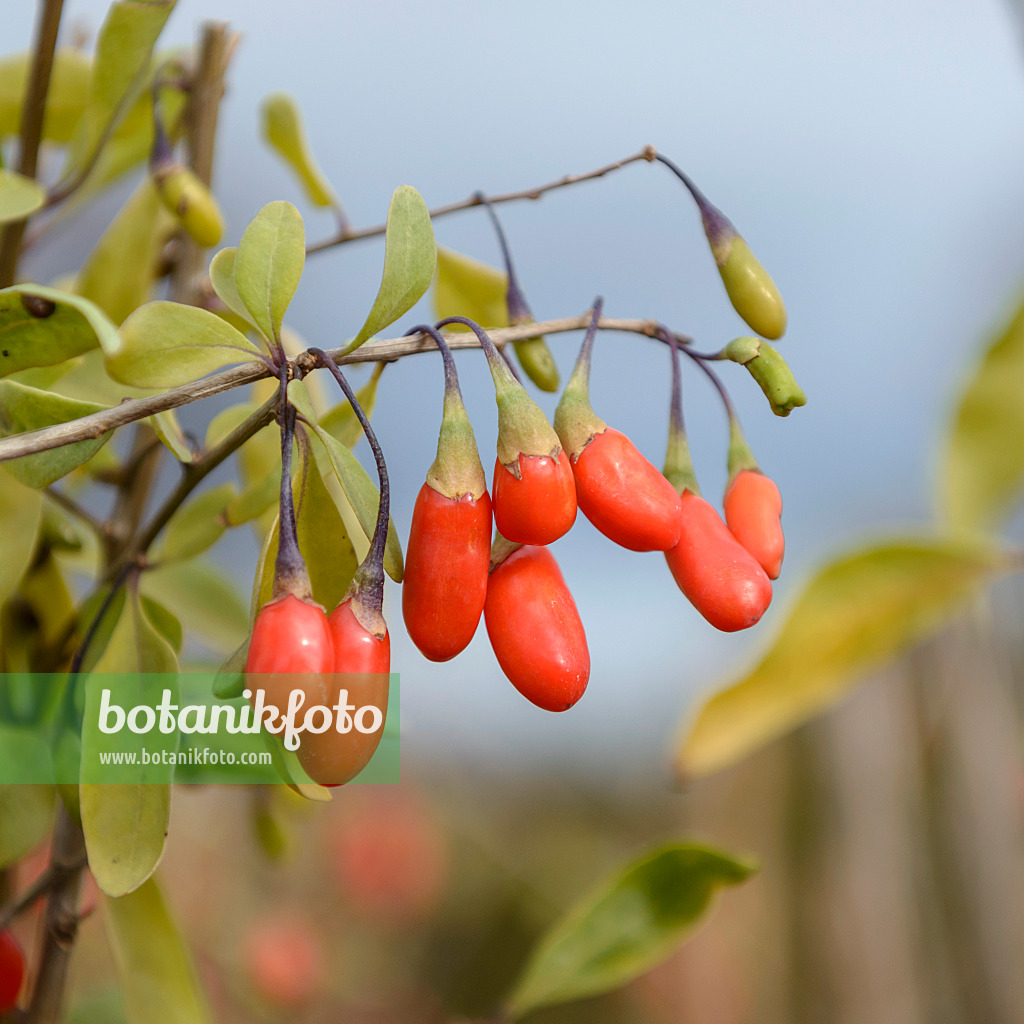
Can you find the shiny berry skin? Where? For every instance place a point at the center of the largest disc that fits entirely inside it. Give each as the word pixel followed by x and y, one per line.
pixel 753 507
pixel 723 581
pixel 624 495
pixel 535 629
pixel 12 971
pixel 361 666
pixel 540 507
pixel 290 635
pixel 446 571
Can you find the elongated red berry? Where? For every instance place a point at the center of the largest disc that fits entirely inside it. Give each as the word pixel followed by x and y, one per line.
pixel 618 490
pixel 446 566
pixel 448 556
pixel 290 635
pixel 753 507
pixel 535 629
pixel 12 971
pixel 625 496
pixel 723 581
pixel 533 493
pixel 539 505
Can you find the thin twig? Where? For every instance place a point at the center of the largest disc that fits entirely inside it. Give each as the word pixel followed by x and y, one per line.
pixel 60 922
pixel 385 350
pixel 49 879
pixel 32 113
pixel 648 153
pixel 192 475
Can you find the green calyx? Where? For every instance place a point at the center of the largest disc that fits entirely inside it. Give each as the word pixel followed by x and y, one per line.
pixel 679 469
pixel 457 470
pixel 751 290
pixel 576 423
pixel 537 362
pixel 770 371
pixel 522 426
pixel 740 456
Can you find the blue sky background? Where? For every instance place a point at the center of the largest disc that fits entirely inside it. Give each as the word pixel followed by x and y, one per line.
pixel 872 155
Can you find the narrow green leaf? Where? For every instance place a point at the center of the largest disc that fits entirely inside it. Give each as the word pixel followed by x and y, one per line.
pixel 120 69
pixel 854 615
pixel 627 925
pixel 119 273
pixel 222 277
pixel 984 457
pixel 21 513
pixel 22 409
pixel 410 255
pixel 466 287
pixel 196 526
pixel 205 602
pixel 323 541
pixel 158 980
pixel 172 437
pixel 19 196
pixel 165 622
pixel 283 130
pixel 65 97
pixel 164 344
pixel 125 824
pixel 268 265
pixel 26 815
pixel 359 489
pixel 41 326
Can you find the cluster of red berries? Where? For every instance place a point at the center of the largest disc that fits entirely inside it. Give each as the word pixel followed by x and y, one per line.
pixel 454 574
pixel 295 644
pixel 543 475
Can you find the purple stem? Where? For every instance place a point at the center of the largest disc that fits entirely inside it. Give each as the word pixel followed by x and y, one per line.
pixel 371 572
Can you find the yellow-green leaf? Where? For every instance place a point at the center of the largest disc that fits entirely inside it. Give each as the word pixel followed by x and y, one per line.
pixel 410 255
pixel 283 130
pixel 227 420
pixel 125 824
pixel 466 287
pixel 360 490
pixel 206 603
pixel 268 265
pixel 119 273
pixel 23 408
pixel 41 326
pixel 172 437
pixel 19 196
pixel 65 97
pixel 21 512
pixel 854 615
pixel 984 456
pixel 222 277
pixel 626 926
pixel 196 526
pixel 26 815
pixel 120 69
pixel 158 980
pixel 323 541
pixel 164 344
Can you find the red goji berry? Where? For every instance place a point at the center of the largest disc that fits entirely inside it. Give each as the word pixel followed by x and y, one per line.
pixel 539 505
pixel 723 581
pixel 535 629
pixel 12 971
pixel 446 571
pixel 753 506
